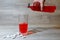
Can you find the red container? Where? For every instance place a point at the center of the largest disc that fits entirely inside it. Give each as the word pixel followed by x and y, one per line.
pixel 49 9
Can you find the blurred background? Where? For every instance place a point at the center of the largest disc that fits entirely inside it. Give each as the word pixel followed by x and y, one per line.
pixel 10 9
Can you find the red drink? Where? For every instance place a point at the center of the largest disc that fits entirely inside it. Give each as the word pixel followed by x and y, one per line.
pixel 45 8
pixel 23 27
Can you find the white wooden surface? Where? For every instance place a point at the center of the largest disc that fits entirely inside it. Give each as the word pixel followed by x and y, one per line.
pixel 45 34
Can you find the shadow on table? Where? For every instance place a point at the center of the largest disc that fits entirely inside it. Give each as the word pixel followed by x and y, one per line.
pixel 40 29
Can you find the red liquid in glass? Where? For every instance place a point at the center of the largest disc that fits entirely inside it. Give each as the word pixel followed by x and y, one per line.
pixel 23 27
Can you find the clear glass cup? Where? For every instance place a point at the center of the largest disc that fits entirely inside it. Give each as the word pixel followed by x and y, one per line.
pixel 23 24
